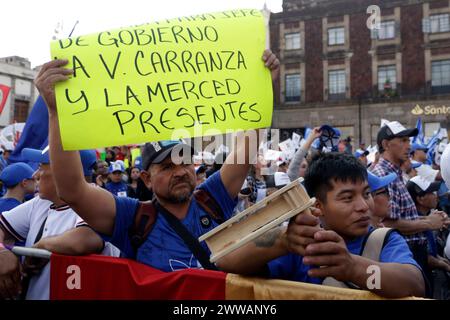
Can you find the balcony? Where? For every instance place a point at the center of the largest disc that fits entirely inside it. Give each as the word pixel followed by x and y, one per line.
pixel 290 56
pixel 440 90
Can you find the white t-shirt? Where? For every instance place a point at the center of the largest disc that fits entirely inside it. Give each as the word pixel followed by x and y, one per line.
pixel 24 222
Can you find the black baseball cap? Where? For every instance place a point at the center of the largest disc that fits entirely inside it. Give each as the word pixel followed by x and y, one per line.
pixel 393 130
pixel 419 186
pixel 157 152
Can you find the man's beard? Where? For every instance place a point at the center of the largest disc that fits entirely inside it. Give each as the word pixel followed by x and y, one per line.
pixel 182 196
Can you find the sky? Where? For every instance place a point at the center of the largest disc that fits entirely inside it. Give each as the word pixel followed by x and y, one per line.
pixel 27 26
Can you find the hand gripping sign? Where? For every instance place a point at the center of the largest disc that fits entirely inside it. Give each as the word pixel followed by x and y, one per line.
pixel 145 83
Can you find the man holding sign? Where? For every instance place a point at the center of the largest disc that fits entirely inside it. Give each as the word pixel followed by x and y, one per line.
pixel 147 82
pixel 172 179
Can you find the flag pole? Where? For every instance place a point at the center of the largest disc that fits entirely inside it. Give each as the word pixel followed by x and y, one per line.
pixel 73 29
pixel 31 252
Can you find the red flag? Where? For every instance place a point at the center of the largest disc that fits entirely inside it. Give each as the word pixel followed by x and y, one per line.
pixel 4 92
pixel 106 278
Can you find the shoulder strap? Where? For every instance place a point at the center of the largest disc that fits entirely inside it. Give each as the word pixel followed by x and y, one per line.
pixel 41 231
pixel 371 249
pixel 375 243
pixel 143 224
pixel 146 216
pixel 209 204
pixel 26 279
pixel 188 238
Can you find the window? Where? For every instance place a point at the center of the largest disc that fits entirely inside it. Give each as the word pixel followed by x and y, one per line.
pixel 430 129
pixel 440 76
pixel 21 110
pixel 292 41
pixel 293 86
pixel 440 23
pixel 387 30
pixel 336 82
pixel 347 131
pixel 387 78
pixel 336 36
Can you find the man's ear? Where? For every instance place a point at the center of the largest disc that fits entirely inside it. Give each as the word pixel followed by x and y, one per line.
pixel 319 205
pixel 385 144
pixel 146 178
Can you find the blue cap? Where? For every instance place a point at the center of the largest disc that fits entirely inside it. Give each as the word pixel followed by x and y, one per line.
pixel 329 138
pixel 359 153
pixel 88 158
pixel 16 173
pixel 35 155
pixel 376 183
pixel 116 166
pixel 331 131
pixel 417 146
pixel 138 162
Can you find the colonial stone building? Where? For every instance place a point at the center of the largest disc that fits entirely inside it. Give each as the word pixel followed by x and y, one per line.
pixel 16 73
pixel 337 71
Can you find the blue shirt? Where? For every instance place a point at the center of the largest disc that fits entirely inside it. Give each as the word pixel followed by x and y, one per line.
pixel 7 204
pixel 291 267
pixel 164 249
pixel 118 189
pixel 432 246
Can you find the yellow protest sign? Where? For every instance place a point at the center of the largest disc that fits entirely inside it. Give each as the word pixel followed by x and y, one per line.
pixel 164 80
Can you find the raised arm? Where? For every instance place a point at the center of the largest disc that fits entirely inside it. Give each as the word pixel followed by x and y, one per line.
pixel 294 166
pixel 235 169
pixel 95 205
pixel 236 166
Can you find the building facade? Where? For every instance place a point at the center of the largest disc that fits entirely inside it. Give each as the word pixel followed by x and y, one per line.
pixel 336 70
pixel 16 72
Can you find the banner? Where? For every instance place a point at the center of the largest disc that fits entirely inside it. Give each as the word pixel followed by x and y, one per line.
pixel 35 132
pixel 4 92
pixel 78 278
pixel 164 80
pixel 10 135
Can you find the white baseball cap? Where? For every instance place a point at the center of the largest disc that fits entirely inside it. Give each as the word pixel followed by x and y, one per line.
pixel 427 172
pixel 116 166
pixel 425 185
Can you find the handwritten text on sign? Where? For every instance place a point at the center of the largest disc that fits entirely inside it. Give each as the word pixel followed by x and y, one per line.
pixel 141 84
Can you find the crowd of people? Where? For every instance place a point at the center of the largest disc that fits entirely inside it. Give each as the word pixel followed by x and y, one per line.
pixel 153 207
